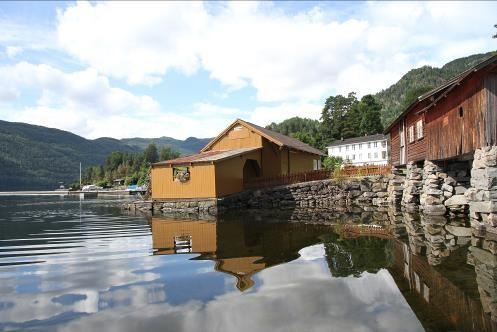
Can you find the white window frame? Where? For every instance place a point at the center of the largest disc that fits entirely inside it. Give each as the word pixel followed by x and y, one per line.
pixel 419 129
pixel 410 134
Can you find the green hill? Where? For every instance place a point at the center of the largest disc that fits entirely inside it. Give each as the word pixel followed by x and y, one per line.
pixel 37 158
pixel 188 146
pixel 393 98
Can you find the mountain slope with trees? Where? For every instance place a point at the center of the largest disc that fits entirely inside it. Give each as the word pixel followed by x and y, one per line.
pixel 190 145
pixel 38 158
pixel 418 81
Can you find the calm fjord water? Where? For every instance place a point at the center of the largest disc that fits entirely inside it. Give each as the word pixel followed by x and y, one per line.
pixel 73 265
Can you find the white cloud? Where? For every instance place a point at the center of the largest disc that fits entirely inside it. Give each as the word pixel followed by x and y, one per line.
pixel 294 61
pixel 138 41
pixel 285 57
pixel 264 115
pixel 13 51
pixel 208 109
pixel 76 101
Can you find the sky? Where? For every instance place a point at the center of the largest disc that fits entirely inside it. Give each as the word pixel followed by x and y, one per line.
pixel 181 69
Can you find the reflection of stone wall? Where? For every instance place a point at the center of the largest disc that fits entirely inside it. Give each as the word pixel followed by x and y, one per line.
pixel 485 263
pixel 440 303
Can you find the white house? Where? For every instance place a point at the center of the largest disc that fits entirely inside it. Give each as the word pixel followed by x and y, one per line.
pixel 363 150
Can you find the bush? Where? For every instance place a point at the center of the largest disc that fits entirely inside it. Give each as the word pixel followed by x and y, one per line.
pixel 332 162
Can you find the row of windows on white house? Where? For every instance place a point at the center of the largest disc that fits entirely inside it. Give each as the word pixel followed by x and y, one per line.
pixel 359 146
pixel 359 156
pixel 413 136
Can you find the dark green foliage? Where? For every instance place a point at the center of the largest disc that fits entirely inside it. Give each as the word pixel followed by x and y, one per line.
pixel 393 98
pixel 150 154
pixel 132 167
pixel 346 117
pixel 342 117
pixel 495 36
pixel 370 111
pixel 38 158
pixel 334 114
pixel 353 256
pixel 166 153
pixel 305 130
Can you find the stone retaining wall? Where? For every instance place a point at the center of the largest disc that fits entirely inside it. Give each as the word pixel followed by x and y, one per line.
pixel 364 192
pixel 482 196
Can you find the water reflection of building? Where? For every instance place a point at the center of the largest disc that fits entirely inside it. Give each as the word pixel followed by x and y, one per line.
pixel 443 298
pixel 238 249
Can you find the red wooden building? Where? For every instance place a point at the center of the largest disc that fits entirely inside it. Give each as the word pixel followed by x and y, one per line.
pixel 450 121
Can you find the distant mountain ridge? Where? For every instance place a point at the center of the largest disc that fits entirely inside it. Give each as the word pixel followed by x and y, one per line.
pixel 188 146
pixel 38 158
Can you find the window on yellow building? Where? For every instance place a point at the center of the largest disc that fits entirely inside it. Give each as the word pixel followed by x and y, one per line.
pixel 181 174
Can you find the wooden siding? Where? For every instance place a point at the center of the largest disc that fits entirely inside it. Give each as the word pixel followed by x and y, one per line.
pixel 301 161
pixel 201 183
pixel 229 173
pixel 490 85
pixel 447 134
pixel 271 158
pixel 416 150
pixel 203 235
pixel 235 139
pixel 451 135
pixel 395 145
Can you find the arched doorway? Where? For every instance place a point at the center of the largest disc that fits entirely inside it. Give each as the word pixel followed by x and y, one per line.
pixel 251 169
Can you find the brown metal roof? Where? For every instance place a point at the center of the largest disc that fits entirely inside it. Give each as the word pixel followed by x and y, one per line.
pixel 277 138
pixel 442 90
pixel 209 156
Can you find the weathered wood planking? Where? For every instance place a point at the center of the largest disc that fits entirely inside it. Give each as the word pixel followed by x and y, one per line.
pixel 458 118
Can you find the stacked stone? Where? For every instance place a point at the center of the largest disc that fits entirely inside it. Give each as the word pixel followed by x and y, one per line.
pixel 412 187
pixel 395 222
pixel 367 193
pixel 435 237
pixel 455 185
pixel 379 188
pixel 207 206
pixel 432 197
pixel 415 233
pixel 483 257
pixel 395 187
pixel 482 196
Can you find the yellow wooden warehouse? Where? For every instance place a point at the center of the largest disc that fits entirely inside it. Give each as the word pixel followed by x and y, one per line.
pixel 239 153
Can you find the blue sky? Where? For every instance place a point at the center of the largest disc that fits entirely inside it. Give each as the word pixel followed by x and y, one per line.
pixel 189 69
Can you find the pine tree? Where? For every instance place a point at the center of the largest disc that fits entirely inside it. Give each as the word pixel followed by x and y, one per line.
pixel 334 115
pixel 370 111
pixel 150 154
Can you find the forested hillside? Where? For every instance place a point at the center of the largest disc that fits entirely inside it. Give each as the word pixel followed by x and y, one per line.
pixel 420 80
pixel 38 158
pixel 35 157
pixel 188 146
